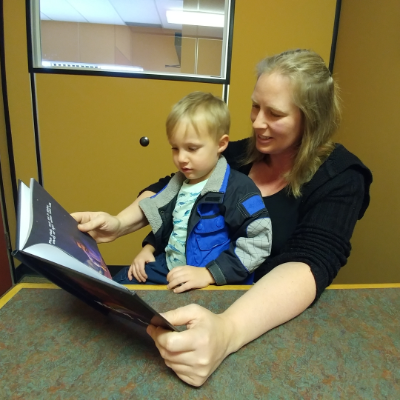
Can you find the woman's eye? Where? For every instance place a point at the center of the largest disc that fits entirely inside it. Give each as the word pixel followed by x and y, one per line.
pixel 256 106
pixel 274 114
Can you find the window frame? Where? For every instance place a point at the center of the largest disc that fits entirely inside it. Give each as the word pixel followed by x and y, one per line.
pixel 35 61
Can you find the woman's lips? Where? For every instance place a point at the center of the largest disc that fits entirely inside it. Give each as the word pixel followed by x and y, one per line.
pixel 264 138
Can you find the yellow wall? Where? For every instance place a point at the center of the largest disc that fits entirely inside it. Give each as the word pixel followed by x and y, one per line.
pixel 367 67
pixel 19 93
pixel 266 28
pixel 7 208
pixel 20 108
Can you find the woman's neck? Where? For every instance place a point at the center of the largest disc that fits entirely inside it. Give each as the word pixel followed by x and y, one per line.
pixel 268 174
pixel 279 164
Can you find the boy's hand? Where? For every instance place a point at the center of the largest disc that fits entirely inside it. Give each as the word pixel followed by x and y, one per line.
pixel 138 264
pixel 187 277
pixel 101 226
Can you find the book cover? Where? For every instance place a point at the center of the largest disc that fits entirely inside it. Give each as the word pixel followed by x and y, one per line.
pixel 49 241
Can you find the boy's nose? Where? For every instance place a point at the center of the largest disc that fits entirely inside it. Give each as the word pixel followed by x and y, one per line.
pixel 182 157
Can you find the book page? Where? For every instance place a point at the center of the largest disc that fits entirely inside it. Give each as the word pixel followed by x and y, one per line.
pixel 54 226
pixel 24 214
pixel 57 256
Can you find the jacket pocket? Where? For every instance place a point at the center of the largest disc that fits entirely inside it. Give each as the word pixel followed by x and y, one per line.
pixel 211 233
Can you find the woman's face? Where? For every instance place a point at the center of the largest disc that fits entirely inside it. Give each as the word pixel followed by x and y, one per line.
pixel 277 121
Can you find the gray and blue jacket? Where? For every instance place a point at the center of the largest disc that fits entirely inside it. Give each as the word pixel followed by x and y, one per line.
pixel 229 229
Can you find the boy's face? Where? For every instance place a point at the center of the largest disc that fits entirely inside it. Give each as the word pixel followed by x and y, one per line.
pixel 194 153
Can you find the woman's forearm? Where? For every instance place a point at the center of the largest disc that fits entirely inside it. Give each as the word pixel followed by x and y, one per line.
pixel 279 296
pixel 196 353
pixel 132 218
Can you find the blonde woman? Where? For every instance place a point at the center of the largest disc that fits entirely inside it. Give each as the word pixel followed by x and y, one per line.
pixel 314 190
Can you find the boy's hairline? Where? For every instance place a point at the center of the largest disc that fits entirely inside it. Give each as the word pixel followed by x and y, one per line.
pixel 191 119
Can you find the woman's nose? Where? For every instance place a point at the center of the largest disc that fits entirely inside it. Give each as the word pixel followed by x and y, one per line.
pixel 259 121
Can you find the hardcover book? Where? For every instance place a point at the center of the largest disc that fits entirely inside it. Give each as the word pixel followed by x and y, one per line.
pixel 49 241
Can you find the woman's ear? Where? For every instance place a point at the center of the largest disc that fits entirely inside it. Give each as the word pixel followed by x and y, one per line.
pixel 223 143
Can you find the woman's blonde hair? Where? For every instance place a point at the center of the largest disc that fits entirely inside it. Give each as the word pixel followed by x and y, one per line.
pixel 204 107
pixel 316 94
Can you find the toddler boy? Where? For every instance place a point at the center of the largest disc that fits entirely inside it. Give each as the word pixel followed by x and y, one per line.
pixel 208 215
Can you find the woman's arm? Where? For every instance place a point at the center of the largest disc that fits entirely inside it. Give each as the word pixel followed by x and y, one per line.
pixel 325 225
pixel 104 227
pixel 194 354
pixel 318 248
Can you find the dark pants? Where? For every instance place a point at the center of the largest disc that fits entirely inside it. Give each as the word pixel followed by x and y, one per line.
pixel 156 271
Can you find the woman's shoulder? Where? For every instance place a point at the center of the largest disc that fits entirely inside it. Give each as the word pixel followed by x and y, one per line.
pixel 341 159
pixel 236 148
pixel 235 152
pixel 341 165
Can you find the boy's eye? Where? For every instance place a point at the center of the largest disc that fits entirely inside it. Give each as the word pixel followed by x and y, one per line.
pixel 193 148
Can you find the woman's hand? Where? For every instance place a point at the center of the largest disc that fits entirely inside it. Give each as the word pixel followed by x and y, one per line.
pixel 101 226
pixel 188 277
pixel 276 298
pixel 196 353
pixel 137 268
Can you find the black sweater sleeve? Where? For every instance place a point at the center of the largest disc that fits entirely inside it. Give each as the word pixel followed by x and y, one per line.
pixel 157 186
pixel 326 224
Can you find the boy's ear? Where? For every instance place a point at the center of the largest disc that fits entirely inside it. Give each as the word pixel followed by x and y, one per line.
pixel 223 143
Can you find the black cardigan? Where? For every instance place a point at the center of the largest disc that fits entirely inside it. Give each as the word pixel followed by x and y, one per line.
pixel 331 203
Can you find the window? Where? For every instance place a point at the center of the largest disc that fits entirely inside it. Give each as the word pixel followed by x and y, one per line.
pixel 172 38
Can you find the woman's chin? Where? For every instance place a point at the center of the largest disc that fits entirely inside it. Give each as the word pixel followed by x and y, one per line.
pixel 264 146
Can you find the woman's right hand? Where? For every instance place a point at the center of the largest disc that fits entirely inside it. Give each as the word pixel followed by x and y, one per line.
pixel 196 353
pixel 101 226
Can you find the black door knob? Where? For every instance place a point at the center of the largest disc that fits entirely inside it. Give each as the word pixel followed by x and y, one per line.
pixel 144 141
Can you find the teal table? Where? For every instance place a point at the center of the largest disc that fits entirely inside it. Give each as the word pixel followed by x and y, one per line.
pixel 52 346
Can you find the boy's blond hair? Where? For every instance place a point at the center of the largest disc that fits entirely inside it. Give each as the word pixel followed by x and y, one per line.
pixel 204 107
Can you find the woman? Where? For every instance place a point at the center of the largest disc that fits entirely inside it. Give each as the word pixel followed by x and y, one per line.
pixel 314 190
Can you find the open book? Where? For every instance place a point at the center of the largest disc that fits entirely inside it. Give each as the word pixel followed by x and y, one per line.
pixel 49 241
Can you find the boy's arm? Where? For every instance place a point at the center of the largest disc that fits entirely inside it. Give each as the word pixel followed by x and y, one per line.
pixel 104 227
